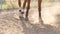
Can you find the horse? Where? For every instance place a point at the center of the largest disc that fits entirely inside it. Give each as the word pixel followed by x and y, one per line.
pixel 28 7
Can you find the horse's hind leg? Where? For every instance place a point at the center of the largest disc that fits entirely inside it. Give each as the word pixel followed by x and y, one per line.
pixel 39 9
pixel 28 7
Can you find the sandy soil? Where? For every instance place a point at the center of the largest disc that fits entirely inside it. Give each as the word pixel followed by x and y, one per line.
pixel 11 24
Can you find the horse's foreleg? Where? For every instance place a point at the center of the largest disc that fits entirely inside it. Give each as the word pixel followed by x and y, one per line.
pixel 28 7
pixel 19 3
pixel 24 4
pixel 39 9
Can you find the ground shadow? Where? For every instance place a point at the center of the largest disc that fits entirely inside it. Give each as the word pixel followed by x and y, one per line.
pixel 29 28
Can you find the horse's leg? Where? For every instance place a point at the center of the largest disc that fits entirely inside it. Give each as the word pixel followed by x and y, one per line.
pixel 39 9
pixel 19 3
pixel 28 7
pixel 24 5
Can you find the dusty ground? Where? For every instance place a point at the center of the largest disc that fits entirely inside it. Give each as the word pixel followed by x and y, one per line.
pixel 11 24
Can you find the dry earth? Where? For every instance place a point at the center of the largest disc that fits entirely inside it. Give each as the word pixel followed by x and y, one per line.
pixel 11 24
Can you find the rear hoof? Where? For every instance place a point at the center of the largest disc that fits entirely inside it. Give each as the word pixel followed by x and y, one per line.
pixel 41 21
pixel 26 19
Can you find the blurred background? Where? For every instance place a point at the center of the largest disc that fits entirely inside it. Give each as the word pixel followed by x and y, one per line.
pixel 10 4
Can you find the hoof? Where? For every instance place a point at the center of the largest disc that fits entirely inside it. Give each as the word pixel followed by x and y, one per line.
pixel 26 19
pixel 41 21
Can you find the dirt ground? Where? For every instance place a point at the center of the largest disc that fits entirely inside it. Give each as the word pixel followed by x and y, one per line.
pixel 11 24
